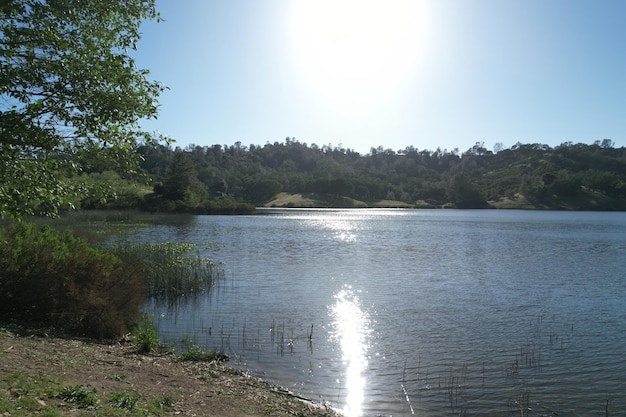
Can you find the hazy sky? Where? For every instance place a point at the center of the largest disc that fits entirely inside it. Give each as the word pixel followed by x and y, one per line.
pixel 391 73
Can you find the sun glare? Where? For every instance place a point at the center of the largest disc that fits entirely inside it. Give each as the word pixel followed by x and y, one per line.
pixel 350 329
pixel 357 52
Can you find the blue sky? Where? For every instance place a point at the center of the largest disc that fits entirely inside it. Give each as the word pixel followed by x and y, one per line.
pixel 393 73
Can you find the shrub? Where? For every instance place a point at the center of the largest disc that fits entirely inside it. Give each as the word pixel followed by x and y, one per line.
pixel 54 279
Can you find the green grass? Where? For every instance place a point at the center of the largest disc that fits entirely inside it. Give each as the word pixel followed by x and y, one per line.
pixel 196 353
pixel 158 405
pixel 123 400
pixel 23 394
pixel 82 396
pixel 145 338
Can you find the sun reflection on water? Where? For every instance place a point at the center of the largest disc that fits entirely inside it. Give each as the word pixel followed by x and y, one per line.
pixel 350 329
pixel 341 226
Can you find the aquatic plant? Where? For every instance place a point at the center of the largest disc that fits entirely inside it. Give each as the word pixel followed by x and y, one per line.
pixel 172 269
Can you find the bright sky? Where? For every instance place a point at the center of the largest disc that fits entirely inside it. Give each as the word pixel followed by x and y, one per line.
pixel 391 73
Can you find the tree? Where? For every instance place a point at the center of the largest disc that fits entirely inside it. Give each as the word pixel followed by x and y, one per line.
pixel 67 84
pixel 463 194
pixel 181 181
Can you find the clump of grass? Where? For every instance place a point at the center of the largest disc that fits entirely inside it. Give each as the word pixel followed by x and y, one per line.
pixel 123 400
pixel 172 269
pixel 145 338
pixel 197 353
pixel 83 396
pixel 158 405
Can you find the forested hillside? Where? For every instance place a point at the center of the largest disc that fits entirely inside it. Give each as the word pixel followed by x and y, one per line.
pixel 221 178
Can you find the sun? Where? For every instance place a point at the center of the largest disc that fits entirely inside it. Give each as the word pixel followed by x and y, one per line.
pixel 355 53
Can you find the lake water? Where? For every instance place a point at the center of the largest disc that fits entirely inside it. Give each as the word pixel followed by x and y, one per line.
pixel 407 312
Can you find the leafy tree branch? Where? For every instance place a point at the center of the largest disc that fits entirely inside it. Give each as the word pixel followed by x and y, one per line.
pixel 67 82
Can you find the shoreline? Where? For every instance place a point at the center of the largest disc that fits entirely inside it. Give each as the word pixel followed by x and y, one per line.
pixel 193 388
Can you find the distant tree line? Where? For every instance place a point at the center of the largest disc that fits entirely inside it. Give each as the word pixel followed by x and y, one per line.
pixel 236 178
pixel 568 176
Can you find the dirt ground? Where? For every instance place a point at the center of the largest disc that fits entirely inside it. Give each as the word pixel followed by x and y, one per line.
pixel 197 389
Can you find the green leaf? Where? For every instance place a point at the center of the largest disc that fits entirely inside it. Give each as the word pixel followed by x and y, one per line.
pixel 66 82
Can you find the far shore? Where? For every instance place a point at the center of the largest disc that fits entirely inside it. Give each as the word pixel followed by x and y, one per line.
pixel 315 200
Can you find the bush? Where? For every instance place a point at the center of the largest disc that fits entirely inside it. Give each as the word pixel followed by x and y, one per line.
pixel 54 279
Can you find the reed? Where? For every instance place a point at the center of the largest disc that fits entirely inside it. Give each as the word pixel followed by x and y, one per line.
pixel 310 339
pixel 171 270
pixel 309 335
pixel 243 336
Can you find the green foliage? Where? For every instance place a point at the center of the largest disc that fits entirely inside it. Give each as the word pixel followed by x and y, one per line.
pixel 116 192
pixel 21 393
pixel 157 203
pixel 224 206
pixel 182 191
pixel 158 405
pixel 145 338
pixel 68 86
pixel 123 400
pixel 463 194
pixel 57 280
pixel 181 181
pixel 172 270
pixel 53 279
pixel 25 395
pixel 260 190
pixel 83 396
pixel 569 176
pixel 195 353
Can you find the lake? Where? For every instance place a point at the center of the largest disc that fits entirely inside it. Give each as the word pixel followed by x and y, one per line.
pixel 409 312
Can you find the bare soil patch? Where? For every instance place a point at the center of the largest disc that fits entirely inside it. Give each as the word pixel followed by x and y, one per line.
pixel 196 388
